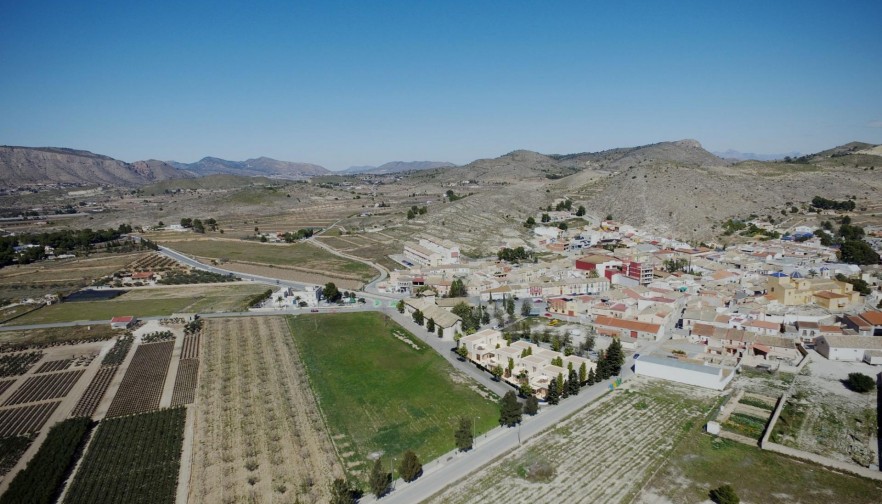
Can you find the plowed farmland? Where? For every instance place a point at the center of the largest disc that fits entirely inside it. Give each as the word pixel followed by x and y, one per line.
pixel 259 434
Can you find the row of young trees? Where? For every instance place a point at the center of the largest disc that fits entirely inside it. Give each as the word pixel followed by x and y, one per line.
pixel 379 481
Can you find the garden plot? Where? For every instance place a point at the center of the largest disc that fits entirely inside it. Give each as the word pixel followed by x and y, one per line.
pixel 259 433
pixel 822 416
pixel 603 453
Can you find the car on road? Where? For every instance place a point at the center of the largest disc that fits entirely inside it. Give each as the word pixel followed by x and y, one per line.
pixel 548 315
pixel 636 356
pixel 314 310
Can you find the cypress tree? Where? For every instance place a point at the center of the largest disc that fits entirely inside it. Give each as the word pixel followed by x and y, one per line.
pixel 573 382
pixel 510 410
pixel 379 479
pixel 592 378
pixel 410 468
pixel 463 435
pixel 553 396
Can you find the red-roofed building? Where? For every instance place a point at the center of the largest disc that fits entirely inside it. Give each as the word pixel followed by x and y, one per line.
pixel 628 328
pixel 122 322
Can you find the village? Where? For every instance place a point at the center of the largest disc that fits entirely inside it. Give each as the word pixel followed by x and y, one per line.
pixel 764 304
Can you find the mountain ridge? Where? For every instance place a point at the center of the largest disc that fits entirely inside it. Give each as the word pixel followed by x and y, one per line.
pixel 41 166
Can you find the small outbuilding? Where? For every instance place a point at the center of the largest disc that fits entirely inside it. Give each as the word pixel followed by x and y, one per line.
pixel 122 322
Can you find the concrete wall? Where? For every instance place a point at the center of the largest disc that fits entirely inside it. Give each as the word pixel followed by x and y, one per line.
pixel 651 369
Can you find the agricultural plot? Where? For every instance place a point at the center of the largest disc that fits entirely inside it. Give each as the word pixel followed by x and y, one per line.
pixel 37 279
pixel 141 387
pixel 153 262
pixel 157 336
pixel 380 394
pixel 11 449
pixel 24 419
pixel 104 310
pixel 259 436
pixel 118 352
pixel 42 479
pixel 55 365
pixel 190 349
pixel 94 392
pixel 702 462
pixel 18 363
pixel 185 382
pixel 5 384
pixel 53 336
pixel 603 453
pixel 40 388
pixel 134 459
pixel 301 255
pixel 821 416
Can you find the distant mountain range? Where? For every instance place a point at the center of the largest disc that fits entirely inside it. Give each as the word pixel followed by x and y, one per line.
pixel 29 166
pixel 743 156
pixel 395 167
pixel 258 167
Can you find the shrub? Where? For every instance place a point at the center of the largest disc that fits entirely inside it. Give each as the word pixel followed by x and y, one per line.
pixel 724 495
pixel 860 382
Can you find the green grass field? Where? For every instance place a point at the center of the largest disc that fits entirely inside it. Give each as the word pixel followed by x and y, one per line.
pixel 303 255
pixel 702 462
pixel 149 302
pixel 379 393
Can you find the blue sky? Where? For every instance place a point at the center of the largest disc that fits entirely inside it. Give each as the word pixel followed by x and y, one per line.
pixel 351 83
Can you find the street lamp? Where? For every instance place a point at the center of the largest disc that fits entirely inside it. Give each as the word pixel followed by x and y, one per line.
pixel 474 430
pixel 391 473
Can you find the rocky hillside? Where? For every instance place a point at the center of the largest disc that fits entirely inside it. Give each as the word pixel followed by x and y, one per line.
pixel 672 187
pixel 258 167
pixel 691 200
pixel 26 166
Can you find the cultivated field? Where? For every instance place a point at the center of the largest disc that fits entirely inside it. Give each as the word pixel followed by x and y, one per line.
pixel 53 276
pixel 702 462
pixel 603 453
pixel 48 386
pixel 378 393
pixel 94 392
pixel 135 459
pixel 149 302
pixel 24 419
pixel 300 255
pixel 259 432
pixel 13 340
pixel 141 387
pixel 44 475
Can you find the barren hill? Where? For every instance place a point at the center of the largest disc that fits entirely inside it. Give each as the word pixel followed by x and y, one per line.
pixel 674 187
pixel 26 166
pixel 257 167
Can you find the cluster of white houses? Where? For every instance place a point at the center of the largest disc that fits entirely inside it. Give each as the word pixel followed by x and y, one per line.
pixel 762 303
pixel 521 361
